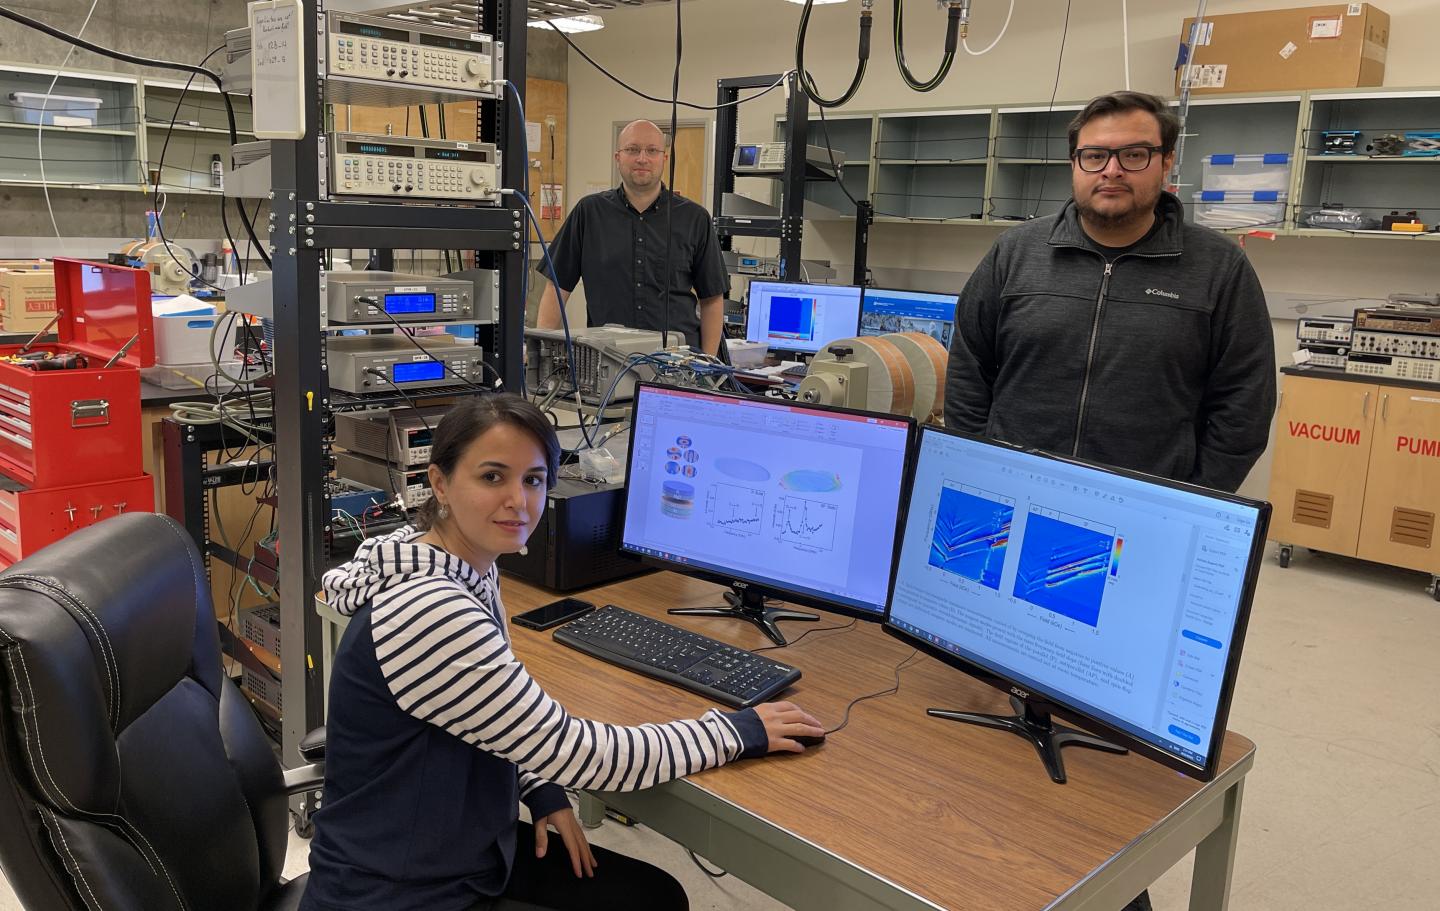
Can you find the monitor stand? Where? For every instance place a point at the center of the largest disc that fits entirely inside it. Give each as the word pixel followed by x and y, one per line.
pixel 749 605
pixel 1035 726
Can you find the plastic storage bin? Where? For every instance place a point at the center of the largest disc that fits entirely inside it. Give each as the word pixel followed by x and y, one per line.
pixel 59 110
pixel 1222 209
pixel 1246 172
pixel 184 338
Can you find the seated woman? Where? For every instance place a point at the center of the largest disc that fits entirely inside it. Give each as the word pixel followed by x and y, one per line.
pixel 436 732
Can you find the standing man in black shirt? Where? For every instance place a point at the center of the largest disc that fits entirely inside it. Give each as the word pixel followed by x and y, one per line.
pixel 1115 331
pixel 616 243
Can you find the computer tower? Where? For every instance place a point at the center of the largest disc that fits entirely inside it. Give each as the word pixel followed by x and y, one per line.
pixel 577 543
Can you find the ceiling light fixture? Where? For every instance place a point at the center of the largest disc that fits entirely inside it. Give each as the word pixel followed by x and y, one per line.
pixel 573 25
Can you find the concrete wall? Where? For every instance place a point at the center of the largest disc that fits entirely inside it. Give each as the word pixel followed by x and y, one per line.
pixel 748 37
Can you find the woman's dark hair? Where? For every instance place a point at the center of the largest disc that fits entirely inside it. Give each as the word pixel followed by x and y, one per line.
pixel 1119 103
pixel 467 421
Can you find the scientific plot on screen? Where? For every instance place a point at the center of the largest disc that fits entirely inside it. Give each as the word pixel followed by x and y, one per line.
pixel 1064 562
pixel 972 532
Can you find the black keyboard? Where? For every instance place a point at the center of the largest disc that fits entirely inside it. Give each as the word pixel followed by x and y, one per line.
pixel 729 675
pixel 797 372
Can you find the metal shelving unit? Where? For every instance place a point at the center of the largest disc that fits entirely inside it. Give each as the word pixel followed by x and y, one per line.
pixel 303 227
pixel 789 226
pixel 924 166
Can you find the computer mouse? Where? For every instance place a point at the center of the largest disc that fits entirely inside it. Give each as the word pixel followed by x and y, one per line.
pixel 805 740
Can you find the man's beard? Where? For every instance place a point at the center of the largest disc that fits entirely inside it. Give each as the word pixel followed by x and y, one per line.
pixel 1115 220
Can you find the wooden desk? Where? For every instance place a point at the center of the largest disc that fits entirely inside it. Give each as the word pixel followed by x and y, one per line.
pixel 899 810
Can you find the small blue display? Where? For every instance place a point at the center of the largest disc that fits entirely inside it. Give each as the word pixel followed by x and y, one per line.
pixel 409 303
pixel 417 372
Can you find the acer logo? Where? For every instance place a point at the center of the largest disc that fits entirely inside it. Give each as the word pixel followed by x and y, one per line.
pixel 1019 692
pixel 740 585
pixel 1418 446
pixel 1325 433
pixel 1156 292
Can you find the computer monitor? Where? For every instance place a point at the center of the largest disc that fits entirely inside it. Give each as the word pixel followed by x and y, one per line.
pixel 801 318
pixel 883 311
pixel 772 498
pixel 1115 599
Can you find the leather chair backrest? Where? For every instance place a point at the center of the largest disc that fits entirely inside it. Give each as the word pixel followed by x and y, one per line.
pixel 132 774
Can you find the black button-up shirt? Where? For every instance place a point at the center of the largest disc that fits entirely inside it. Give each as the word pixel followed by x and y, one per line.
pixel 620 255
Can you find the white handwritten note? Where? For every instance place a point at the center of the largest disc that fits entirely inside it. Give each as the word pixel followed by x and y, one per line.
pixel 277 68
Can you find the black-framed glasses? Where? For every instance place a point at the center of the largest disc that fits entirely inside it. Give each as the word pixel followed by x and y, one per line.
pixel 1131 158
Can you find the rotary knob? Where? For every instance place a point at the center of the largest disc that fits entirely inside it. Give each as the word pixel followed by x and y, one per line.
pixel 477 178
pixel 472 67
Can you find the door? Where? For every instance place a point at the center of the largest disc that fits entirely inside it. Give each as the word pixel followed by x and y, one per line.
pixel 1322 455
pixel 1403 495
pixel 689 150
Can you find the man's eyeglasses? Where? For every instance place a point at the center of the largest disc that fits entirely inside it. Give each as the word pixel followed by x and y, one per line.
pixel 636 152
pixel 1131 158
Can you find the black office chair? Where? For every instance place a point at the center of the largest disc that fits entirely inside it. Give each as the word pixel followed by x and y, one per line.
pixel 133 775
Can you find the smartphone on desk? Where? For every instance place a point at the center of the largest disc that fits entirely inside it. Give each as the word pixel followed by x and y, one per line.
pixel 553 614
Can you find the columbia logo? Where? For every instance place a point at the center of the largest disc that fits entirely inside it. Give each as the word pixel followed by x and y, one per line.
pixel 1156 292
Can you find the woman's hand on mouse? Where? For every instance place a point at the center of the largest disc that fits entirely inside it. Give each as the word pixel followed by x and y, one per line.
pixel 784 720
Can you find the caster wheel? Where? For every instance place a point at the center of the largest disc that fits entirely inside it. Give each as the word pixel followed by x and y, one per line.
pixel 1435 588
pixel 304 825
pixel 1285 552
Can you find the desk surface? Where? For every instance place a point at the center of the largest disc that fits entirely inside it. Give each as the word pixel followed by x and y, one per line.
pixel 961 816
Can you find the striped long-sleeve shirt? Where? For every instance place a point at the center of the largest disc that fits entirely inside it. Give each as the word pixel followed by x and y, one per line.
pixel 435 729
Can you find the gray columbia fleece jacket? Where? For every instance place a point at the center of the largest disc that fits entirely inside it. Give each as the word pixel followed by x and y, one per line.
pixel 1161 361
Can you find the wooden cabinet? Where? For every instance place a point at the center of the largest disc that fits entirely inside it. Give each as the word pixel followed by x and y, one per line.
pixel 1323 434
pixel 1403 493
pixel 1356 471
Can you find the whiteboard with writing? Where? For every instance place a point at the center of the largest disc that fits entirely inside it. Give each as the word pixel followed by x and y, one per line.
pixel 277 68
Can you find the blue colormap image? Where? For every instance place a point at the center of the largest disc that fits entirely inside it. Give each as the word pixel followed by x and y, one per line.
pixel 792 317
pixel 1062 568
pixel 971 534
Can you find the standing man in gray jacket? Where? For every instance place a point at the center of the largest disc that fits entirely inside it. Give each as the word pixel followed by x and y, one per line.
pixel 1114 331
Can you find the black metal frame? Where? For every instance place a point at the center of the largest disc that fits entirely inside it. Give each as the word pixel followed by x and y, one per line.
pixel 303 227
pixel 789 227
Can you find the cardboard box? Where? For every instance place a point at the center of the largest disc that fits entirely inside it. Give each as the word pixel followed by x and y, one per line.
pixel 1337 45
pixel 27 299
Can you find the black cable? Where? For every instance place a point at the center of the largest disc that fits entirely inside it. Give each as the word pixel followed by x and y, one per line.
pixel 648 97
pixel 876 695
pixel 1045 168
pixel 834 166
pixel 807 84
pixel 797 640
pixel 440 118
pixel 107 52
pixel 952 35
pixel 713 874
pixel 376 371
pixel 421 348
pixel 160 177
pixel 667 276
pixel 424 123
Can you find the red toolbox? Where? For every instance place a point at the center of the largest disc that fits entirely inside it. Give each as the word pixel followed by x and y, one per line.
pixel 81 425
pixel 31 518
